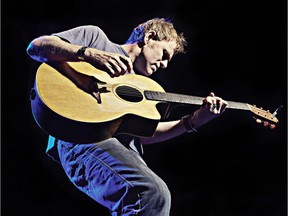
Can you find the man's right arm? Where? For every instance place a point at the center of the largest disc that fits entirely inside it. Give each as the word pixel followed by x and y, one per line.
pixel 54 49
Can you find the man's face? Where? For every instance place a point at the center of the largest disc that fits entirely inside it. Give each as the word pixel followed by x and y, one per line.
pixel 154 54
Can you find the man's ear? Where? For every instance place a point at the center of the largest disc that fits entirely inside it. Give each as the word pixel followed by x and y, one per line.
pixel 149 36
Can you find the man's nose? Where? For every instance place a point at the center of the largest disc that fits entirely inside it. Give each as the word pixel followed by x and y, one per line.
pixel 164 64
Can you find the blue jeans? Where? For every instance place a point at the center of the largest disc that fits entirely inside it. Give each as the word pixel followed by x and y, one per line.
pixel 116 177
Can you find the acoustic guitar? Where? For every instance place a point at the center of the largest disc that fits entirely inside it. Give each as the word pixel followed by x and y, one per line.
pixel 129 105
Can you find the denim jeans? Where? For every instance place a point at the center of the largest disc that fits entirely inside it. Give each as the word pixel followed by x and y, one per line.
pixel 115 176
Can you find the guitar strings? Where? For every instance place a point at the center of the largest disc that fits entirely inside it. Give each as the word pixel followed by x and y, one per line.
pixel 125 90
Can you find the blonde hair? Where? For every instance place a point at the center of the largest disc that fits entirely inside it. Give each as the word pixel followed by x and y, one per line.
pixel 165 31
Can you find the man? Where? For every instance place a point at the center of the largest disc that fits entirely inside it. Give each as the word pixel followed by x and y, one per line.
pixel 112 171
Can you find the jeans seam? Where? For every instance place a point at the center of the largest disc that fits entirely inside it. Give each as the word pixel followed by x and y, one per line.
pixel 119 175
pixel 113 170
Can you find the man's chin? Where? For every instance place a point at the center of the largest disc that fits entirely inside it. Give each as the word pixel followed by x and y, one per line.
pixel 144 72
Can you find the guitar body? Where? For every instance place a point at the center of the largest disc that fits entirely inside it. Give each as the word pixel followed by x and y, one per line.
pixel 66 112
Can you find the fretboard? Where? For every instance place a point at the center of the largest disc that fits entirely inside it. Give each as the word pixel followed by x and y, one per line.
pixel 188 99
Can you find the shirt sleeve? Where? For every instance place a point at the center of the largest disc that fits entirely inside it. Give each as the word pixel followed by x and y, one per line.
pixel 87 35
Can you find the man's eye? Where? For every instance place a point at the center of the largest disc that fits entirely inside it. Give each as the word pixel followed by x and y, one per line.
pixel 165 55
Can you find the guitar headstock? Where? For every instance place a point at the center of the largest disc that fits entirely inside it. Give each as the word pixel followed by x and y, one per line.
pixel 264 116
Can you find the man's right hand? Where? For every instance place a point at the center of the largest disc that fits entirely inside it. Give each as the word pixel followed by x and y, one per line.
pixel 112 63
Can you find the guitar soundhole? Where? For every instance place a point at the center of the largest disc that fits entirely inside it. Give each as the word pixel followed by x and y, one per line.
pixel 129 94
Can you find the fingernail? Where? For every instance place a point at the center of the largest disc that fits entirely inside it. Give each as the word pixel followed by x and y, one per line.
pixel 97 96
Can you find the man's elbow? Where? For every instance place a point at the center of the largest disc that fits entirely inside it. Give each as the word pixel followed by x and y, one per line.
pixel 35 49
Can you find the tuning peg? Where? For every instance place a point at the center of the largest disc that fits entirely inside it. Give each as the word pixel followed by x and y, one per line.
pixel 258 121
pixel 265 123
pixel 272 126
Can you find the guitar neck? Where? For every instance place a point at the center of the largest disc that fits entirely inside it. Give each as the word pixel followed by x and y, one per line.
pixel 188 99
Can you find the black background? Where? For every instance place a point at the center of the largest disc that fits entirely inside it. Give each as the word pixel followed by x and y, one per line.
pixel 232 166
